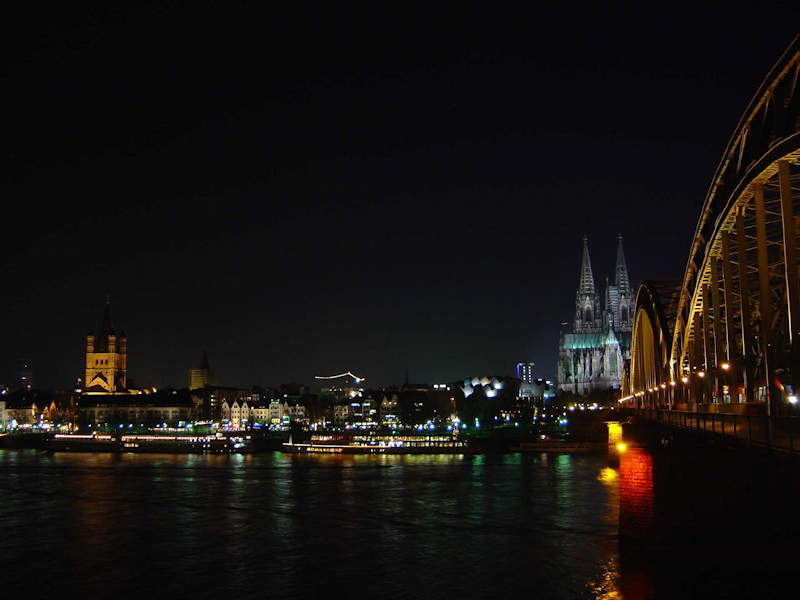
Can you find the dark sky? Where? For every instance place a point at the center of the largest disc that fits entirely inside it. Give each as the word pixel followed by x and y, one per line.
pixel 368 188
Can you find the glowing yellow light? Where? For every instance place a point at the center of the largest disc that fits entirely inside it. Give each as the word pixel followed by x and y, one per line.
pixel 608 475
pixel 685 379
pixel 622 446
pixel 614 432
pixel 725 366
pixel 663 386
pixel 672 383
pixel 701 373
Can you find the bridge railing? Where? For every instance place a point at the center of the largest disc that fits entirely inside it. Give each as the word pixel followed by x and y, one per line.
pixel 777 433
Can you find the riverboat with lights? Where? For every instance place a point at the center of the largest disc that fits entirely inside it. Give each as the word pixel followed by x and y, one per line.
pixel 338 443
pixel 99 442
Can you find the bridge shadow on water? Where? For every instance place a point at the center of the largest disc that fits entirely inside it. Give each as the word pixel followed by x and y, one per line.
pixel 699 521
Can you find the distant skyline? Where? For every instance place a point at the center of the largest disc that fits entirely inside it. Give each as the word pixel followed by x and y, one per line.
pixel 307 192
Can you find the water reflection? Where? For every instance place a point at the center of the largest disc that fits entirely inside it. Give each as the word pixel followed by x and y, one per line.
pixel 606 585
pixel 299 527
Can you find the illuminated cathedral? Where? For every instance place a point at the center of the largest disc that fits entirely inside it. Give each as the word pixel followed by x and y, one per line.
pixel 592 356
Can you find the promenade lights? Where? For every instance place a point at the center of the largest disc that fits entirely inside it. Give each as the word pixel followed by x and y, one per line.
pixel 792 399
pixel 685 379
pixel 701 373
pixel 663 386
pixel 672 383
pixel 725 366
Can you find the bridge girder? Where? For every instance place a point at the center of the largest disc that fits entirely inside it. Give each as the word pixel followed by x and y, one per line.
pixel 737 313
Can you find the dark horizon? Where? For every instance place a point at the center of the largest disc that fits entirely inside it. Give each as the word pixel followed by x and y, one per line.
pixel 374 190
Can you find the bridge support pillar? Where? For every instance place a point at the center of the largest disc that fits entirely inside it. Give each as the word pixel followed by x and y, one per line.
pixel 636 494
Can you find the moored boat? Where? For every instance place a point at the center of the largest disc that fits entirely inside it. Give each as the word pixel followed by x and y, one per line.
pixel 379 444
pixel 98 442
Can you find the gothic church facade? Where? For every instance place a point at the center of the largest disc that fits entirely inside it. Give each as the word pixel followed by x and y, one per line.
pixel 592 356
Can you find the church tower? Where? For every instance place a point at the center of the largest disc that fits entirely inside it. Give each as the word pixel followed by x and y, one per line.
pixel 588 317
pixel 106 359
pixel 622 305
pixel 592 356
pixel 200 376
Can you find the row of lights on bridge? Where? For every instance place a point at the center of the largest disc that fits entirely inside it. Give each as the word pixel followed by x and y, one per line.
pixel 685 379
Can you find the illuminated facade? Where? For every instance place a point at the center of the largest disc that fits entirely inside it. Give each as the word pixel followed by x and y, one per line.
pixel 592 356
pixel 525 372
pixel 200 376
pixel 106 359
pixel 164 406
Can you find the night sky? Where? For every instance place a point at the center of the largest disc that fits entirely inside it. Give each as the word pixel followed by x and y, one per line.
pixel 367 189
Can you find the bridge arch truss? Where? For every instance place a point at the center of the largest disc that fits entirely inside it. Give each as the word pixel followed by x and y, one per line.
pixel 729 331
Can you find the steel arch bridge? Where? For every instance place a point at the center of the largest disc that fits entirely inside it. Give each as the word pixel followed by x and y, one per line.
pixel 728 333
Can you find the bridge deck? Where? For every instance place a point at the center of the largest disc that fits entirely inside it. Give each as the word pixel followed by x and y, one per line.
pixel 777 433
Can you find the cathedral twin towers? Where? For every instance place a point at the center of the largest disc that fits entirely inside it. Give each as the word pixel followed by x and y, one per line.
pixel 592 356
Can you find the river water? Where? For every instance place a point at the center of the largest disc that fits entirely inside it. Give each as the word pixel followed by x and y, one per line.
pixel 288 526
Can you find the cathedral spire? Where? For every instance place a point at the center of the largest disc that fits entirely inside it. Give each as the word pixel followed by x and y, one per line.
pixel 586 285
pixel 621 276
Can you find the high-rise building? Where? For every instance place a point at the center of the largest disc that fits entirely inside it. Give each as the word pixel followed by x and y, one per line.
pixel 200 376
pixel 525 371
pixel 106 359
pixel 592 356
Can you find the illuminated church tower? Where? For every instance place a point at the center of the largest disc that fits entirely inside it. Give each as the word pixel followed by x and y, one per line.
pixel 200 376
pixel 106 359
pixel 592 356
pixel 588 317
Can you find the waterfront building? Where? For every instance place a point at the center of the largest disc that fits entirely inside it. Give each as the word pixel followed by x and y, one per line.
pixel 33 407
pixel 275 411
pixel 341 412
pixel 481 399
pixel 593 355
pixel 200 376
pixel 525 371
pixel 537 390
pixel 162 406
pixel 260 412
pixel 22 409
pixel 236 412
pixel 295 410
pixel 106 368
pixel 214 402
pixel 389 409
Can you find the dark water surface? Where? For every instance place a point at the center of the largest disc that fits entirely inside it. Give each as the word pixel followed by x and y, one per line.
pixel 281 526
